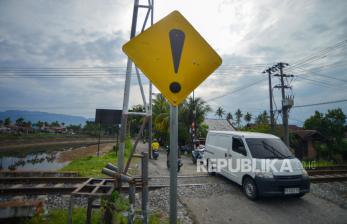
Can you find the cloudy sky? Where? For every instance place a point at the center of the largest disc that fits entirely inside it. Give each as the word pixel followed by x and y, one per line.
pixel 79 44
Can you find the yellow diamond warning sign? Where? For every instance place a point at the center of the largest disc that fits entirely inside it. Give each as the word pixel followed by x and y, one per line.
pixel 174 56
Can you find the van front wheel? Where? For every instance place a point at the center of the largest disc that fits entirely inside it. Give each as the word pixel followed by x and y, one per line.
pixel 250 188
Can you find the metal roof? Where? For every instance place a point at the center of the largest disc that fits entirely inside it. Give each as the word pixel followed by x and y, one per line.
pixel 246 134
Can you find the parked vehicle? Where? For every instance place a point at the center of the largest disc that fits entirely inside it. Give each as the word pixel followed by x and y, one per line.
pixel 198 153
pixel 260 148
pixel 185 149
pixel 179 162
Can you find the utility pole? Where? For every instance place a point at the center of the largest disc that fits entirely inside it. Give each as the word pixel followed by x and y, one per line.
pixel 287 101
pixel 272 117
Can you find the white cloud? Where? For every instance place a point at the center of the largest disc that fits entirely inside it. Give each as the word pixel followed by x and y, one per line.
pixel 91 33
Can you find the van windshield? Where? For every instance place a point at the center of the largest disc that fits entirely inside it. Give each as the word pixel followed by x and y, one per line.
pixel 268 148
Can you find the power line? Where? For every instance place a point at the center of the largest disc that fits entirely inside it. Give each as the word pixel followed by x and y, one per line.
pixel 320 54
pixel 321 103
pixel 91 74
pixel 316 82
pixel 325 76
pixel 95 68
pixel 237 90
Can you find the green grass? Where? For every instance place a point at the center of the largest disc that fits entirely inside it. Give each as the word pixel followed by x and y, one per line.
pixel 91 166
pixel 316 164
pixel 60 216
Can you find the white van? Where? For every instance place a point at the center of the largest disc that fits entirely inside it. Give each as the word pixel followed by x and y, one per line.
pixel 286 175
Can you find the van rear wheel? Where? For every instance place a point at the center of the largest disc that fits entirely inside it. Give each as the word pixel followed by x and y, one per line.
pixel 250 188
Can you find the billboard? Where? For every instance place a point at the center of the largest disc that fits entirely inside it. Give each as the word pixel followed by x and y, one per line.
pixel 108 116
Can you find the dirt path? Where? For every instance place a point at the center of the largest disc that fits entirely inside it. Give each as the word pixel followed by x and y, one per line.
pixel 51 143
pixel 91 150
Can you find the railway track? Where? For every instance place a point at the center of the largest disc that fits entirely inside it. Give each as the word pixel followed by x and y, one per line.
pixel 328 175
pixel 65 183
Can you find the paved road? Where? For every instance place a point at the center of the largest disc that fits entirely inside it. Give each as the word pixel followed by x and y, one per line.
pixel 158 167
pixel 232 206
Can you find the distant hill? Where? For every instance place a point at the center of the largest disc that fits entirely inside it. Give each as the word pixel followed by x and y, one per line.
pixel 35 116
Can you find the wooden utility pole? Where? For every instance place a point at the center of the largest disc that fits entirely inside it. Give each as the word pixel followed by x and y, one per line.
pixel 272 116
pixel 287 102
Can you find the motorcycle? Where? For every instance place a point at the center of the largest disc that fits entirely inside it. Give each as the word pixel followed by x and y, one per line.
pixel 198 153
pixel 155 154
pixel 179 162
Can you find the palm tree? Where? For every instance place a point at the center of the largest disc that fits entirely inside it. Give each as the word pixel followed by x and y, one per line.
pixel 197 110
pixel 229 116
pixel 238 115
pixel 248 117
pixel 192 111
pixel 262 118
pixel 135 122
pixel 20 121
pixel 220 112
pixel 7 121
pixel 161 114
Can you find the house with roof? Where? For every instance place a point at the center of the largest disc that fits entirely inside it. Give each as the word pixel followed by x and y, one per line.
pixel 303 143
pixel 219 125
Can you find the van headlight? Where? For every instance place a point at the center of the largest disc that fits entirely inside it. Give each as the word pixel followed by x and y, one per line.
pixel 264 174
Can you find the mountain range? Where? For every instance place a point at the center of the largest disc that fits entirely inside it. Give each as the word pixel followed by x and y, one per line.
pixel 35 116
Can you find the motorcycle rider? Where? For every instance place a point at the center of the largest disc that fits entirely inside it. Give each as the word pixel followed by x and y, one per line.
pixel 155 149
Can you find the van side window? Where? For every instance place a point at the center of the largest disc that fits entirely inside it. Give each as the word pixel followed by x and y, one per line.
pixel 238 146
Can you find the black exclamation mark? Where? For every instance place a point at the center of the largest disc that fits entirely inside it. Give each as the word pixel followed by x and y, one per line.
pixel 176 41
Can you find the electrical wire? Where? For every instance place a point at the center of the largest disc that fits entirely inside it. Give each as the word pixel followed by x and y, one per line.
pixel 321 103
pixel 237 90
pixel 325 76
pixel 320 54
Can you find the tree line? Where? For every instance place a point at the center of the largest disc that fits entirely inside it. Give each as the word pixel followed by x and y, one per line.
pixel 261 119
pixel 21 122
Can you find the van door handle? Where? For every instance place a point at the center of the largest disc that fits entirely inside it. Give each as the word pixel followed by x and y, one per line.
pixel 225 155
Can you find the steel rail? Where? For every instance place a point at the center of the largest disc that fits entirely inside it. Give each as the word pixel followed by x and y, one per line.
pixel 32 190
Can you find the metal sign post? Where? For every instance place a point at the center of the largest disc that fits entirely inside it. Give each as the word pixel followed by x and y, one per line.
pixel 173 162
pixel 173 43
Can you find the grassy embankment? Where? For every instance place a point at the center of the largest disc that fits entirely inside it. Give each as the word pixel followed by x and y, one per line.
pixel 60 216
pixel 91 166
pixel 23 144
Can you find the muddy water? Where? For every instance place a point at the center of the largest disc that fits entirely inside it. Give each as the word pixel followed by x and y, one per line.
pixel 39 161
